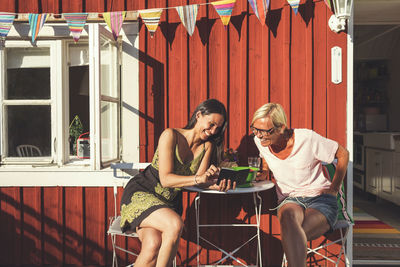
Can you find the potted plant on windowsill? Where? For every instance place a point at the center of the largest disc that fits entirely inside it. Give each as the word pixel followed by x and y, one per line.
pixel 75 130
pixel 230 158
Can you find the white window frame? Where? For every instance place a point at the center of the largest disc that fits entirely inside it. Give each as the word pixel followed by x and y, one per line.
pixel 129 100
pixel 52 45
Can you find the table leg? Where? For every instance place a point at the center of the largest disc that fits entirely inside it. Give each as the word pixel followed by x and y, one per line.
pixel 197 208
pixel 257 207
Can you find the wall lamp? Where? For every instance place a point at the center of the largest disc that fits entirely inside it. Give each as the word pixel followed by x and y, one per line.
pixel 342 9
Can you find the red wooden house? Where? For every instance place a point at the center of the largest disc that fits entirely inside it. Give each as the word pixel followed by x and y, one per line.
pixel 54 207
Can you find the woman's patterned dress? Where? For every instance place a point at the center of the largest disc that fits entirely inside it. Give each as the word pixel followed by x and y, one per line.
pixel 144 193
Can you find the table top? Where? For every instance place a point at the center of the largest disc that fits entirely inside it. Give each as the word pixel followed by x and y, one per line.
pixel 257 187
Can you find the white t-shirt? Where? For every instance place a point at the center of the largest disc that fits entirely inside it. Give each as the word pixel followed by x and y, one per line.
pixel 300 174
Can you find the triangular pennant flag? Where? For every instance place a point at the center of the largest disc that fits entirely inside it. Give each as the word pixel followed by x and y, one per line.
pixel 294 4
pixel 6 21
pixel 36 22
pixel 188 16
pixel 224 9
pixel 328 3
pixel 260 8
pixel 151 17
pixel 76 22
pixel 114 21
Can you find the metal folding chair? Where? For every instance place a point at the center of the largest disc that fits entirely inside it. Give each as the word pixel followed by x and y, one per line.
pixel 114 229
pixel 342 225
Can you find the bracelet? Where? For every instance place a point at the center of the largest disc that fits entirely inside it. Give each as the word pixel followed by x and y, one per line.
pixel 195 180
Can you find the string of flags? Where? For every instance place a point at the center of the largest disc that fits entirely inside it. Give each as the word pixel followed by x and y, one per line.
pixel 150 17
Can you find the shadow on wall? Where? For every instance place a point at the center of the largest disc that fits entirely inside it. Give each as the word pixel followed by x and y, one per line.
pixel 204 25
pixel 29 237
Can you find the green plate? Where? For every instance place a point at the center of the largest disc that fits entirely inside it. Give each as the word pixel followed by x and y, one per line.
pixel 246 185
pixel 250 177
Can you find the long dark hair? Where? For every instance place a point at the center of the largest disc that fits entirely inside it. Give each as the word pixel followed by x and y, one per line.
pixel 207 107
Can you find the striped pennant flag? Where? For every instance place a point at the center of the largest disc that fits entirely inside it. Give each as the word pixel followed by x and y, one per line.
pixel 294 4
pixel 114 21
pixel 36 22
pixel 224 9
pixel 151 17
pixel 188 16
pixel 260 8
pixel 6 21
pixel 76 22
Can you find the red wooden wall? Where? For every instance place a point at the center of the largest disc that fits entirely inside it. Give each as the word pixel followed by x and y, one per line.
pixel 244 66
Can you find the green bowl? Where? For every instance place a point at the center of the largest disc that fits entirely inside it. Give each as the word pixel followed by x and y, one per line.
pixel 250 177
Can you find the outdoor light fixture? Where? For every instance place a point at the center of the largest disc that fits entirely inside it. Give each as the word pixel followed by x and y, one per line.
pixel 342 9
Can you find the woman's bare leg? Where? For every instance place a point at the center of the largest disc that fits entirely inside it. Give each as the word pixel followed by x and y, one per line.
pixel 170 225
pixel 315 224
pixel 294 240
pixel 150 245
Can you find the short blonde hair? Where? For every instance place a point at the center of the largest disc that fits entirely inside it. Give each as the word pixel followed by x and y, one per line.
pixel 273 110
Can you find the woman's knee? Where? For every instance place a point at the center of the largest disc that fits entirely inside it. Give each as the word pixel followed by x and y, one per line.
pixel 289 217
pixel 175 226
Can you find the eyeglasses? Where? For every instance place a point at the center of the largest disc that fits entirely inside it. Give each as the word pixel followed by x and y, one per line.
pixel 263 132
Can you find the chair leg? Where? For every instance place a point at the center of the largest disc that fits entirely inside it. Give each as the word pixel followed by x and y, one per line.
pixel 284 260
pixel 115 260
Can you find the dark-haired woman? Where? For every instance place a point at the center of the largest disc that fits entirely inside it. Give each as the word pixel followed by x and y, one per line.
pixel 151 204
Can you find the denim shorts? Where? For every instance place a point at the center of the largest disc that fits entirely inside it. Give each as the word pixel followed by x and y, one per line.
pixel 325 203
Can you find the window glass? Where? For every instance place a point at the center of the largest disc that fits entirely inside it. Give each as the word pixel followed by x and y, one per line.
pixel 109 79
pixel 29 125
pixel 109 130
pixel 28 73
pixel 78 105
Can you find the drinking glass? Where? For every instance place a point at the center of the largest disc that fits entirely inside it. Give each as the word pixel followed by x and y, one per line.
pixel 254 162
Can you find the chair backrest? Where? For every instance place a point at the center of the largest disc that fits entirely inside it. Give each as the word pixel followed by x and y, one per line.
pixel 343 215
pixel 28 151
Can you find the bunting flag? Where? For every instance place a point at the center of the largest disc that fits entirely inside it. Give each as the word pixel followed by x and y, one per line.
pixel 114 21
pixel 260 8
pixel 36 22
pixel 6 21
pixel 151 17
pixel 188 16
pixel 294 4
pixel 224 9
pixel 328 3
pixel 76 22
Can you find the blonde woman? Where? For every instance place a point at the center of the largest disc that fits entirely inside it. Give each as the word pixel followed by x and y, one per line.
pixel 307 206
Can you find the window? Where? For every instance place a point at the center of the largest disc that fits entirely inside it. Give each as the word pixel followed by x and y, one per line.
pixel 61 101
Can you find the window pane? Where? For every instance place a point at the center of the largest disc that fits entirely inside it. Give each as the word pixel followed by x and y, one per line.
pixel 78 54
pixel 29 125
pixel 28 83
pixel 109 79
pixel 28 57
pixel 78 104
pixel 28 73
pixel 109 131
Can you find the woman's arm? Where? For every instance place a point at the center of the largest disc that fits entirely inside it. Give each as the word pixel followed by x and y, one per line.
pixel 166 154
pixel 263 174
pixel 210 182
pixel 342 156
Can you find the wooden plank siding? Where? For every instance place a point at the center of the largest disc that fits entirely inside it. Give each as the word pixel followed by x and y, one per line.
pixel 244 66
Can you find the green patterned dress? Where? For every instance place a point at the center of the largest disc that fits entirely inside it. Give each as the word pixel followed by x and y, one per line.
pixel 144 193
